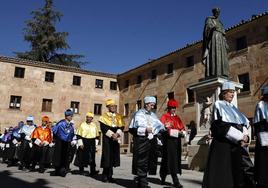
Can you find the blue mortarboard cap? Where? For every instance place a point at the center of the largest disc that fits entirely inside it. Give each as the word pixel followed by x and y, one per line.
pixel 68 112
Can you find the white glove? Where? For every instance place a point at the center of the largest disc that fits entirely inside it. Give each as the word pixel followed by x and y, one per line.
pixel 45 143
pixel 27 137
pixel 51 145
pixel 73 143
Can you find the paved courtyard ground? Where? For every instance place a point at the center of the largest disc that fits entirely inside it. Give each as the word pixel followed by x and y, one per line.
pixel 13 178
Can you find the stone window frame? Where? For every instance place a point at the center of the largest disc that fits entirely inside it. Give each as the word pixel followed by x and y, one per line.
pixel 241 43
pixel 75 106
pixel 15 102
pixel 77 80
pixel 99 83
pixel 126 109
pixel 113 85
pixel 47 105
pixel 170 68
pixel 245 80
pixel 190 96
pixel 19 72
pixel 97 109
pixel 49 76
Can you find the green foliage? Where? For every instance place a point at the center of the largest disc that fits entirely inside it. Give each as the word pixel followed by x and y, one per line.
pixel 45 41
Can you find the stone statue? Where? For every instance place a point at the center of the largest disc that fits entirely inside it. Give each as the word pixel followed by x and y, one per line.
pixel 215 47
pixel 206 113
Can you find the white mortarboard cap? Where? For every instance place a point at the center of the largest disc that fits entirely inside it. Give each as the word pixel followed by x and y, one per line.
pixel 265 90
pixel 227 86
pixel 30 118
pixel 149 99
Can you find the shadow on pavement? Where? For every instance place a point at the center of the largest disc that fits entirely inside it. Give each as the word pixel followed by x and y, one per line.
pixel 198 182
pixel 11 182
pixel 126 183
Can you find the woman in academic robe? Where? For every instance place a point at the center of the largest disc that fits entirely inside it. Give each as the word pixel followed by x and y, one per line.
pixel 112 125
pixel 41 138
pixel 87 133
pixel 261 149
pixel 171 152
pixel 228 160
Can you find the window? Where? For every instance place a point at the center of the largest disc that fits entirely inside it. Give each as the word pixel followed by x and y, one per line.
pixel 190 96
pixel 153 74
pixel 126 84
pixel 47 105
pixel 244 79
pixel 77 80
pixel 190 61
pixel 49 77
pixel 170 68
pixel 138 105
pixel 113 85
pixel 241 43
pixel 97 109
pixel 266 33
pixel 19 72
pixel 75 107
pixel 99 83
pixel 15 102
pixel 126 109
pixel 170 95
pixel 139 79
pixel 155 107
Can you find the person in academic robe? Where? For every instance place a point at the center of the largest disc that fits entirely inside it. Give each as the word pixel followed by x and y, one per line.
pixel 9 147
pixel 111 125
pixel 41 138
pixel 145 126
pixel 228 162
pixel 261 148
pixel 171 152
pixel 26 143
pixel 63 133
pixel 86 134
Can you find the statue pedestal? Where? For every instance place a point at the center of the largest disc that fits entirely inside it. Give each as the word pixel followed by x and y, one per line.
pixel 206 93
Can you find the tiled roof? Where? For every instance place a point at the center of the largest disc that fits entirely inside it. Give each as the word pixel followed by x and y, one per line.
pixel 243 22
pixel 54 66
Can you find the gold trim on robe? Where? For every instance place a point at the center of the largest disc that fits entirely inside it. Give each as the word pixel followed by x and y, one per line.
pixel 112 119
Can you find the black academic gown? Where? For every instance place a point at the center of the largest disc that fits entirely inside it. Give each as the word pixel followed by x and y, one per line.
pixel 144 154
pixel 40 154
pixel 171 155
pixel 85 156
pixel 228 164
pixel 110 148
pixel 261 156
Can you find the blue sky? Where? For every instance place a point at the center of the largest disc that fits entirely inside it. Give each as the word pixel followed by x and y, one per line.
pixel 118 35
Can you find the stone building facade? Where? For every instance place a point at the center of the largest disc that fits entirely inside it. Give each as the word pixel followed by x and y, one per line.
pixel 36 88
pixel 171 75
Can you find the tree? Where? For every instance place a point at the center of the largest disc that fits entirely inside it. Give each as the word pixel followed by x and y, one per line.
pixel 46 43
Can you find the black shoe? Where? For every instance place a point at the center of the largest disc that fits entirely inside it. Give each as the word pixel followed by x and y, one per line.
pixel 104 179
pixel 94 173
pixel 178 185
pixel 111 180
pixel 63 172
pixel 20 167
pixel 163 182
pixel 41 170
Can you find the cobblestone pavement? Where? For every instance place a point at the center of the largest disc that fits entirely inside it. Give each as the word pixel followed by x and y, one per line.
pixel 12 177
